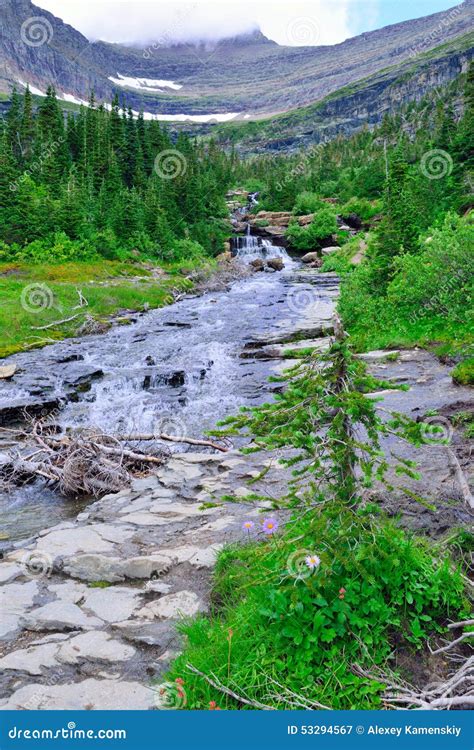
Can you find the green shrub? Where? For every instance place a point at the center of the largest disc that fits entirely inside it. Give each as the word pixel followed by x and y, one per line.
pixel 184 250
pixel 307 203
pixel 438 281
pixel 279 620
pixel 309 238
pixel 463 373
pixel 364 208
pixel 430 296
pixel 57 248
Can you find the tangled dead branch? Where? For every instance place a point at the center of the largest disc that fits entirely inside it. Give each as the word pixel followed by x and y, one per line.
pixel 89 462
pixel 454 693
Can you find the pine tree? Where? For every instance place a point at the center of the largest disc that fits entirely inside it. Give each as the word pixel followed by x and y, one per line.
pixel 27 127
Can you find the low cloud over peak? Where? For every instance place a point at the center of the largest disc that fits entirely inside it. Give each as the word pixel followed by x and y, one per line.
pixel 310 22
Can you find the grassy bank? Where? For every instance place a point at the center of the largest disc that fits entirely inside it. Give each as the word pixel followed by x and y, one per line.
pixel 34 296
pixel 287 635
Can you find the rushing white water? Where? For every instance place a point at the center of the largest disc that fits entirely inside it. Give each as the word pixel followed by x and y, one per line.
pixel 177 369
pixel 250 248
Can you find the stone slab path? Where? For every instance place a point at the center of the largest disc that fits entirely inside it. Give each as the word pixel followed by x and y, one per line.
pixel 89 608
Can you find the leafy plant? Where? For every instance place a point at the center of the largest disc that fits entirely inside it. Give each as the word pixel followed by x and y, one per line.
pixel 309 238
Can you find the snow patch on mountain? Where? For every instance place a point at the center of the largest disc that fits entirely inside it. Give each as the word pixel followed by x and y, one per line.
pixel 33 89
pixel 72 99
pixel 153 85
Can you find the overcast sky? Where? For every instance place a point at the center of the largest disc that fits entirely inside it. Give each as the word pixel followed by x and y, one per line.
pixel 290 22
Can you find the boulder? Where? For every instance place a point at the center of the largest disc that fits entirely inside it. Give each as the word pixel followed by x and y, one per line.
pixel 7 372
pixel 303 221
pixel 353 220
pixel 257 264
pixel 330 250
pixel 276 263
pixel 280 218
pixel 310 257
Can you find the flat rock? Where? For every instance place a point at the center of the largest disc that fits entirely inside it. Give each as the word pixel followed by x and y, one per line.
pixel 95 645
pixel 31 660
pixel 147 566
pixel 95 568
pixel 173 606
pixel 91 694
pixel 151 633
pixel 181 509
pixel 60 615
pixel 66 542
pixel 9 571
pixel 205 558
pixel 7 372
pixel 70 591
pixel 379 355
pixel 114 569
pixel 112 604
pixel 15 600
pixel 158 587
pixel 148 519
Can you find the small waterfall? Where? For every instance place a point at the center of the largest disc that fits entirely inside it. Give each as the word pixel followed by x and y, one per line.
pixel 250 248
pixel 252 198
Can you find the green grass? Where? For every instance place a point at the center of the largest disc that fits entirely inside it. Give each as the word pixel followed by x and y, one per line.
pixel 276 621
pixel 436 335
pixel 340 261
pixel 32 296
pixel 463 373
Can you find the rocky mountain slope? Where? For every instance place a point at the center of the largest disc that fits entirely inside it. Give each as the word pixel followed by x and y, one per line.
pixel 248 76
pixel 433 74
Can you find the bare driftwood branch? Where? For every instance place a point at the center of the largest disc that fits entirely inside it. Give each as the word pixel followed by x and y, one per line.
pixel 82 300
pixel 457 690
pixel 462 481
pixel 55 323
pixel 462 624
pixel 173 439
pixel 215 683
pixel 454 643
pixel 139 457
pixel 86 462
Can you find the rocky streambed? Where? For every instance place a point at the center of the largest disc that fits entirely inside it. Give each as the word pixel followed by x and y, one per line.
pixel 90 601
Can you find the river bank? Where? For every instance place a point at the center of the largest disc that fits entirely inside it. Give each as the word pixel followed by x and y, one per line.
pixel 91 604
